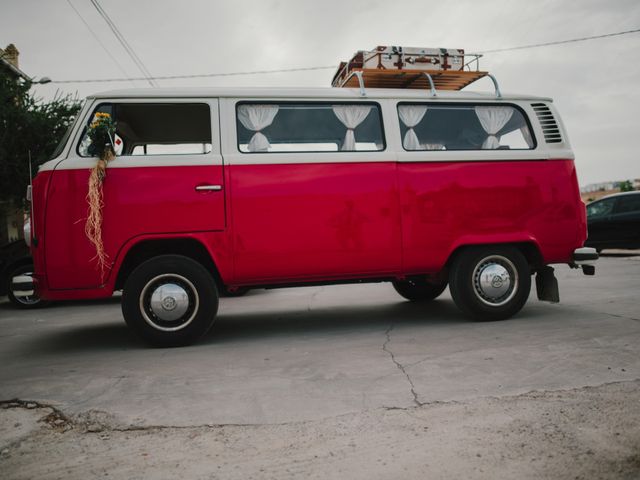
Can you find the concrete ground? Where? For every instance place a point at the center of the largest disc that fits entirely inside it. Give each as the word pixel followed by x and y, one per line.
pixel 332 382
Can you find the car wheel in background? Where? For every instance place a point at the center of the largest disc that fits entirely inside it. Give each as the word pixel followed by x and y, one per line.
pixel 419 289
pixel 20 289
pixel 233 292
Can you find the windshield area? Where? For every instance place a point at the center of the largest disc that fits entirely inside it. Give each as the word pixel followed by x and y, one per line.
pixel 65 137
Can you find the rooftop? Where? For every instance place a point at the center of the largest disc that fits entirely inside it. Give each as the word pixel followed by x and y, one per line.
pixel 306 92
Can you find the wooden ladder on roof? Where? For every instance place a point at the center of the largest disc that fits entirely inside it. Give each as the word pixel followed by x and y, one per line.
pixel 417 79
pixel 352 74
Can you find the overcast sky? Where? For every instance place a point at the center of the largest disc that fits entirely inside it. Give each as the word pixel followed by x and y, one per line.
pixel 595 84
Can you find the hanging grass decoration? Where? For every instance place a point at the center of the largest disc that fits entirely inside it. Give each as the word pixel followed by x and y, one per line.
pixel 101 132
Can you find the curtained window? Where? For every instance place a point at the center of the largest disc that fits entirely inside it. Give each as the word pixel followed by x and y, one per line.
pixel 463 126
pixel 309 127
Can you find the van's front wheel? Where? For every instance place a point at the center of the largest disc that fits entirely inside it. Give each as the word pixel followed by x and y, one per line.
pixel 490 283
pixel 170 301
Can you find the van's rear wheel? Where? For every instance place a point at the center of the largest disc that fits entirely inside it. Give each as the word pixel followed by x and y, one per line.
pixel 170 301
pixel 419 289
pixel 490 283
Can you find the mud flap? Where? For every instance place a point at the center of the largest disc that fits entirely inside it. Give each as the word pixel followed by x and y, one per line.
pixel 547 285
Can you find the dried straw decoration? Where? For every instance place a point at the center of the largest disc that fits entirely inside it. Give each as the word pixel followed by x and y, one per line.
pixel 101 132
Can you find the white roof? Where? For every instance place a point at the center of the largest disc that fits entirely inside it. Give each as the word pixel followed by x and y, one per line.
pixel 297 92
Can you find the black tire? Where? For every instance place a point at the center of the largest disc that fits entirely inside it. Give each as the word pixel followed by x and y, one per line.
pixel 21 301
pixel 237 292
pixel 478 282
pixel 419 289
pixel 174 287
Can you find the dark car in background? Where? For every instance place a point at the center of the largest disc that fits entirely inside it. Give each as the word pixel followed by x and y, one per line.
pixel 614 221
pixel 16 268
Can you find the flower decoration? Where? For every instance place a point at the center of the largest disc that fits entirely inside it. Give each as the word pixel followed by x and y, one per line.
pixel 101 132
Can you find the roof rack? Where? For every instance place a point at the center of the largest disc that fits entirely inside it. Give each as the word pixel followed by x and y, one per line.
pixel 434 70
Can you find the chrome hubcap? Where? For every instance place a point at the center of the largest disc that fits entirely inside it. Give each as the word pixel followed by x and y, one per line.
pixel 495 280
pixel 169 302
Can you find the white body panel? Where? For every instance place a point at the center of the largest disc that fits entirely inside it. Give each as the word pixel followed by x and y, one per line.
pixel 225 143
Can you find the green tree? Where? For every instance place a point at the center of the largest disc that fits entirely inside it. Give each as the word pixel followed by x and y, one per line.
pixel 626 186
pixel 28 124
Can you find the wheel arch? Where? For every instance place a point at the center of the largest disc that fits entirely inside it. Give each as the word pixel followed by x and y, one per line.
pixel 148 248
pixel 529 249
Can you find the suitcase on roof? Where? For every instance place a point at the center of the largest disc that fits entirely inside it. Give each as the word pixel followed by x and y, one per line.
pixel 408 67
pixel 428 59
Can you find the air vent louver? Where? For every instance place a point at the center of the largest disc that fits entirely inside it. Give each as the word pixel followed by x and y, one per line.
pixel 548 123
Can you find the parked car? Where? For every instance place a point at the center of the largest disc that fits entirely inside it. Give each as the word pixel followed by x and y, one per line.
pixel 614 221
pixel 16 268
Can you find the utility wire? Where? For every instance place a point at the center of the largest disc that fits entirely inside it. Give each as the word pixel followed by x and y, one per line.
pixel 136 59
pixel 560 42
pixel 202 75
pixel 100 42
pixel 304 69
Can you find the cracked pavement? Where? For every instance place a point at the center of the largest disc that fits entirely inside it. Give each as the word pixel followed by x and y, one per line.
pixel 291 381
pixel 385 347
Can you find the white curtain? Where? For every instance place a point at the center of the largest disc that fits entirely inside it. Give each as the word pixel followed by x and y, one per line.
pixel 351 116
pixel 527 135
pixel 256 118
pixel 492 120
pixel 411 115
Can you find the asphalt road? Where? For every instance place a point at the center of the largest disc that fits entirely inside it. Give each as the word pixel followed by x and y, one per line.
pixel 308 356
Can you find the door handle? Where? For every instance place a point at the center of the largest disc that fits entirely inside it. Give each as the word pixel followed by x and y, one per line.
pixel 205 188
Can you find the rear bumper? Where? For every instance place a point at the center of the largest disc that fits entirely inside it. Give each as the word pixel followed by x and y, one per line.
pixel 585 256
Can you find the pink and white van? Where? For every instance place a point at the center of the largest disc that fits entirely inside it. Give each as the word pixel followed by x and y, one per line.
pixel 232 188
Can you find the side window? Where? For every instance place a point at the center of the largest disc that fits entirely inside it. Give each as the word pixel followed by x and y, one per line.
pixel 628 204
pixel 463 127
pixel 156 129
pixel 601 208
pixel 309 127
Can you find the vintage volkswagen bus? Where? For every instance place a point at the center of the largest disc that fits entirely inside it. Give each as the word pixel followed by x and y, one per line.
pixel 232 188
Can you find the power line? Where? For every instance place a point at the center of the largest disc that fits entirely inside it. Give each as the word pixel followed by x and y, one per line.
pixel 560 42
pixel 202 75
pixel 303 69
pixel 99 41
pixel 136 59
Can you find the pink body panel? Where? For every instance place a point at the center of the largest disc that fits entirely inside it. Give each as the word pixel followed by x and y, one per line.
pixel 138 202
pixel 309 222
pixel 304 221
pixel 447 205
